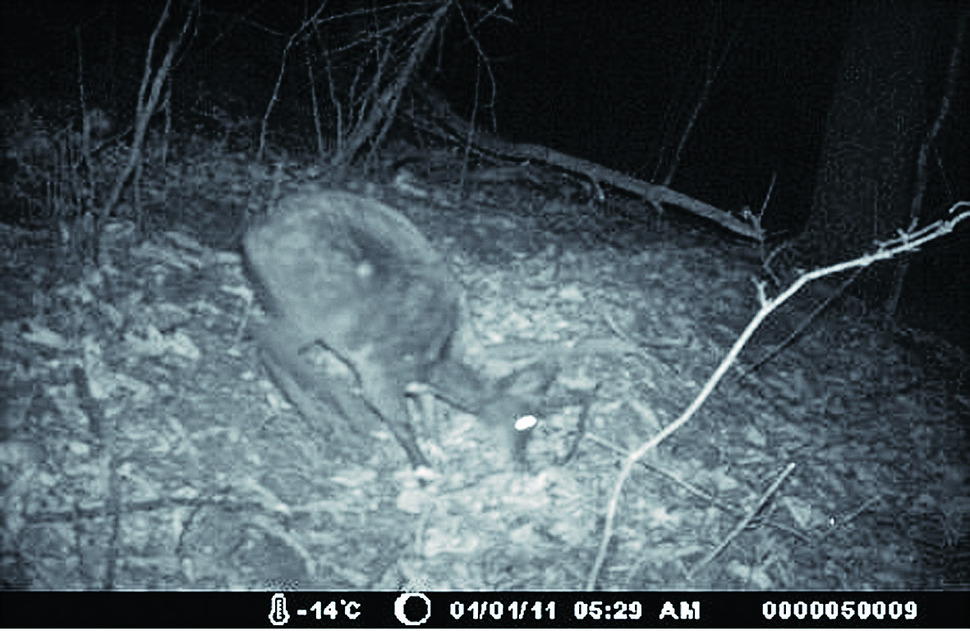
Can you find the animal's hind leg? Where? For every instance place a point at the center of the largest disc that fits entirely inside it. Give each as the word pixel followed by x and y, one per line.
pixel 349 406
pixel 384 394
pixel 327 401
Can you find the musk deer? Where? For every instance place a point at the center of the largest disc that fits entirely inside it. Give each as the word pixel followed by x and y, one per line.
pixel 350 280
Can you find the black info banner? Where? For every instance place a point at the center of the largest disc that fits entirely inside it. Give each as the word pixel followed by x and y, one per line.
pixel 487 610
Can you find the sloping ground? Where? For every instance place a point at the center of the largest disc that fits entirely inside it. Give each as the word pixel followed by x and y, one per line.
pixel 143 445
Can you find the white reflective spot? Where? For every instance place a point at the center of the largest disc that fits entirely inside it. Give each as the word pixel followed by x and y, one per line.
pixel 525 423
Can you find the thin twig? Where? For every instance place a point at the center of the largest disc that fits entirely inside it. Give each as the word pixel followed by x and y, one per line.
pixel 906 241
pixel 698 492
pixel 744 522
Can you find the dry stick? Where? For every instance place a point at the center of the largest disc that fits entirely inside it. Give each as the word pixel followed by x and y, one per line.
pixel 702 100
pixel 698 492
pixel 376 107
pixel 763 241
pixel 274 97
pixel 384 110
pixel 144 111
pixel 315 106
pixel 146 106
pixel 916 204
pixel 837 524
pixel 338 110
pixel 82 231
pixel 483 60
pixel 85 119
pixel 744 522
pixel 905 242
pixel 273 529
pixel 799 328
pixel 470 139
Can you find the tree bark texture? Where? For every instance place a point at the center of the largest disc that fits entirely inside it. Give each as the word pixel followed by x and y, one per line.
pixel 877 117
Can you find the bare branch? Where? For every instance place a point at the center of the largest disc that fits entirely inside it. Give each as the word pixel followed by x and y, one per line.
pixel 909 241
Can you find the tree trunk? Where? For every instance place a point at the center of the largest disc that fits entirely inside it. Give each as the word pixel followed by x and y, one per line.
pixel 877 118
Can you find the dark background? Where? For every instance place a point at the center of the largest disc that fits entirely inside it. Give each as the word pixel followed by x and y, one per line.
pixel 611 82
